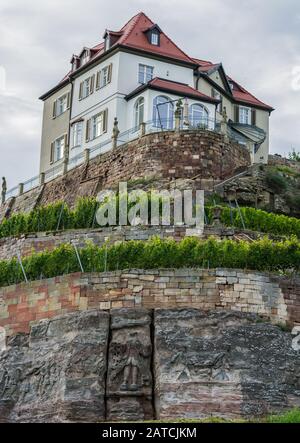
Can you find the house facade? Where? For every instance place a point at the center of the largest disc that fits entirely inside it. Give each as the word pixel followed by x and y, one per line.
pixel 137 75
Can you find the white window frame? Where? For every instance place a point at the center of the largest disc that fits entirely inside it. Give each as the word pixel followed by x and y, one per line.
pixel 146 71
pixel 154 38
pixel 84 58
pixel 59 148
pixel 244 115
pixel 97 125
pixel 61 105
pixel 77 134
pixel 86 89
pixel 198 111
pixel 139 112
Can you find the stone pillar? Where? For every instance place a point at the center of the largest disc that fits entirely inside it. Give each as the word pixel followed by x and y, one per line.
pixel 142 129
pixel 178 115
pixel 42 178
pixel 224 127
pixel 21 188
pixel 115 133
pixel 4 190
pixel 66 158
pixel 250 146
pixel 216 218
pixel 86 155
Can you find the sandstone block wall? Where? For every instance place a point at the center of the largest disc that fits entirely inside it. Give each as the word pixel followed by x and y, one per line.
pixel 269 296
pixel 30 243
pixel 167 155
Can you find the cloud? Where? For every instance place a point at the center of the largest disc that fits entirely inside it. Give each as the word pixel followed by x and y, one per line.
pixel 258 43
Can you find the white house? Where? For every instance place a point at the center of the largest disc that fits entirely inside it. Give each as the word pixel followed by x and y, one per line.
pixel 136 75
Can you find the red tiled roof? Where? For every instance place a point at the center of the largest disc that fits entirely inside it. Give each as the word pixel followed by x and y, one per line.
pixel 242 95
pixel 180 89
pixel 133 36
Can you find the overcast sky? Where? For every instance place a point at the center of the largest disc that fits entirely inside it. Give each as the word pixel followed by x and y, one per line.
pixel 257 41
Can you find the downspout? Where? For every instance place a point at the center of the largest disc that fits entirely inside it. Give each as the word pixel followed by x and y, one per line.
pixel 70 116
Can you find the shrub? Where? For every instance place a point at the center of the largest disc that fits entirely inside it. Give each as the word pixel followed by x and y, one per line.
pixel 156 253
pixel 276 181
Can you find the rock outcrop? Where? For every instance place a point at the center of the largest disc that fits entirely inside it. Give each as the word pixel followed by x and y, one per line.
pixel 136 364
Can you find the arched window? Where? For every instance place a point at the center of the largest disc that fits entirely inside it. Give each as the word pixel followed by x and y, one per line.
pixel 198 116
pixel 139 112
pixel 163 112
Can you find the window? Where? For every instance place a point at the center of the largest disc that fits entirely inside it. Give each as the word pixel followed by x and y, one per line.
pixel 244 115
pixel 104 77
pixel 163 112
pixel 154 38
pixel 61 105
pixel 86 87
pixel 198 116
pixel 139 112
pixel 106 43
pixel 96 126
pixel 77 134
pixel 58 149
pixel 85 58
pixel 145 73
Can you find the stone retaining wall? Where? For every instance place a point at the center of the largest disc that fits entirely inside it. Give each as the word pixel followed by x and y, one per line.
pixel 272 297
pixel 167 155
pixel 29 243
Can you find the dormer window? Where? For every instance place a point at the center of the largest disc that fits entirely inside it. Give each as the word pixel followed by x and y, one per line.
pixel 154 38
pixel 153 35
pixel 106 42
pixel 85 58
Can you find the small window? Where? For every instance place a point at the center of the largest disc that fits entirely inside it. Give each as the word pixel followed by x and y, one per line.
pixel 62 104
pixel 96 126
pixel 84 58
pixel 145 73
pixel 245 115
pixel 104 77
pixel 77 134
pixel 59 147
pixel 86 87
pixel 154 38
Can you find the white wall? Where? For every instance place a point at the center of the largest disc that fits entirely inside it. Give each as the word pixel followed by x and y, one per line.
pixel 129 66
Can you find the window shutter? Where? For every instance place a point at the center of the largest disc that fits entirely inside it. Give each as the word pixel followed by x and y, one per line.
pixel 80 90
pixel 109 73
pixel 88 130
pixel 105 114
pixel 92 83
pixel 52 153
pixel 54 109
pixel 68 100
pixel 98 80
pixel 253 117
pixel 237 114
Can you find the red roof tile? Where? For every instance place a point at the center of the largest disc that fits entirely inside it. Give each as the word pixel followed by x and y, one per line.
pixel 180 89
pixel 133 36
pixel 242 95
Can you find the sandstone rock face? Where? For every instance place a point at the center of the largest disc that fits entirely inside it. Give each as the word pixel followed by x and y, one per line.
pixel 57 373
pixel 222 364
pixel 138 364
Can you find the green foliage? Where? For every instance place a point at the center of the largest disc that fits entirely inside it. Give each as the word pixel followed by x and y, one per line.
pixel 276 181
pixel 294 155
pixel 258 220
pixel 59 216
pixel 263 255
pixel 292 416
